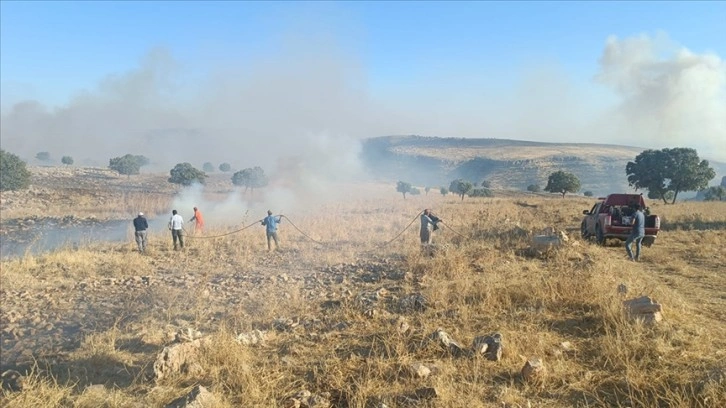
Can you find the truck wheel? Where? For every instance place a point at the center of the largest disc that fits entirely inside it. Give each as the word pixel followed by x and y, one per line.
pixel 599 235
pixel 583 230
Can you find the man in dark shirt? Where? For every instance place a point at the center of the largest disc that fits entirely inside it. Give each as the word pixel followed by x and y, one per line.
pixel 637 234
pixel 140 225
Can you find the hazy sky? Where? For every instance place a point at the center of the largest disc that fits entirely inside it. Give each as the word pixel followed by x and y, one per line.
pixel 251 82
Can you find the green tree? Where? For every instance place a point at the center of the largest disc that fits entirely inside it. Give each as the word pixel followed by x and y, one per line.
pixel 142 160
pixel 43 156
pixel 208 167
pixel 13 172
pixel 250 178
pixel 460 187
pixel 481 192
pixel 403 188
pixel 127 164
pixel 444 191
pixel 657 195
pixel 415 191
pixel 186 174
pixel 486 184
pixel 676 169
pixel 715 193
pixel 225 167
pixel 67 160
pixel 562 182
pixel 588 193
pixel 534 188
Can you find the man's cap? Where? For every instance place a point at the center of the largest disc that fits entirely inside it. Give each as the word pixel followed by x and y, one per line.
pixel 195 208
pixel 141 214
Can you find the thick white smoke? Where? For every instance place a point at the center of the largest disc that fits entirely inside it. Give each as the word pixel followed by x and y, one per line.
pixel 670 96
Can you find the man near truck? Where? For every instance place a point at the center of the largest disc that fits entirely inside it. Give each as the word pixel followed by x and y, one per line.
pixel 636 234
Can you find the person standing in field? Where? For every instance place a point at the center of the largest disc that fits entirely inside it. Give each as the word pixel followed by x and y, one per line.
pixel 176 226
pixel 428 226
pixel 140 227
pixel 637 234
pixel 199 221
pixel 270 222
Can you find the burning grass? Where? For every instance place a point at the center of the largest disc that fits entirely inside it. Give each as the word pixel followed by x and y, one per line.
pixel 331 312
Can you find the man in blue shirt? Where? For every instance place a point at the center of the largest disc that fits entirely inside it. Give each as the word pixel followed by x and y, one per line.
pixel 271 223
pixel 637 234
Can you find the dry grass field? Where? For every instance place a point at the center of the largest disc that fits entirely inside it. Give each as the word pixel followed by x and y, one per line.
pixel 347 317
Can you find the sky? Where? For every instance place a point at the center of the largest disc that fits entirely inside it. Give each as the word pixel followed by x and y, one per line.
pixel 255 83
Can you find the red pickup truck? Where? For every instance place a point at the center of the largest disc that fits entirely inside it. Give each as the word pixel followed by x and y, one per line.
pixel 611 217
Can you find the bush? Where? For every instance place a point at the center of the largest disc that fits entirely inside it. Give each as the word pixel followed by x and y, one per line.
pixel 486 184
pixel 444 191
pixel 481 192
pixel 43 156
pixel 403 187
pixel 127 164
pixel 208 167
pixel 460 187
pixel 186 174
pixel 251 178
pixel 225 167
pixel 534 188
pixel 414 191
pixel 13 173
pixel 67 160
pixel 588 193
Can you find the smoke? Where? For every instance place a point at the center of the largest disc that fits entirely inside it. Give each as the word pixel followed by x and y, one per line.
pixel 669 95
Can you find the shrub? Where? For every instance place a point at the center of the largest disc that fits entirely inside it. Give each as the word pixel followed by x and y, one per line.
pixel 481 192
pixel 186 174
pixel 67 160
pixel 208 167
pixel 460 187
pixel 403 188
pixel 534 188
pixel 415 191
pixel 13 173
pixel 127 164
pixel 588 193
pixel 43 156
pixel 251 178
pixel 444 191
pixel 225 167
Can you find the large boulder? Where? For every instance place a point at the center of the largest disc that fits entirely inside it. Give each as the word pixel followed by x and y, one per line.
pixel 180 359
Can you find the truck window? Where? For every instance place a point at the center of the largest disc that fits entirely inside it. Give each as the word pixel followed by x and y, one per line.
pixel 594 209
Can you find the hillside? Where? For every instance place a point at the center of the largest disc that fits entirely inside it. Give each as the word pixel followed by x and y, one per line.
pixel 505 163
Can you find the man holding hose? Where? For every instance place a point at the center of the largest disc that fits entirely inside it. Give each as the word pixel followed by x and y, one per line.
pixel 270 222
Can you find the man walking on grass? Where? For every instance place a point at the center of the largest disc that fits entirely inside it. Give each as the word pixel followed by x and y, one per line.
pixel 637 234
pixel 176 225
pixel 271 223
pixel 140 227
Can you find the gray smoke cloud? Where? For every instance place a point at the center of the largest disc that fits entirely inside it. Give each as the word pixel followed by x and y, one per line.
pixel 669 96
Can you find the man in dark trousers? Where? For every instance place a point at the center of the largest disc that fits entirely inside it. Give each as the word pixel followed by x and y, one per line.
pixel 270 222
pixel 176 226
pixel 140 227
pixel 637 234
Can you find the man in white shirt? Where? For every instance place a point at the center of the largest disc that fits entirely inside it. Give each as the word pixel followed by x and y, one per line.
pixel 176 225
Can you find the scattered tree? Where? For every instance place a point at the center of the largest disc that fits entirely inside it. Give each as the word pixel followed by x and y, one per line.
pixel 427 189
pixel 225 167
pixel 534 188
pixel 588 193
pixel 67 160
pixel 677 169
pixel 43 156
pixel 562 182
pixel 486 184
pixel 460 187
pixel 251 178
pixel 444 191
pixel 403 188
pixel 13 172
pixel 415 191
pixel 186 174
pixel 715 193
pixel 127 164
pixel 481 192
pixel 208 167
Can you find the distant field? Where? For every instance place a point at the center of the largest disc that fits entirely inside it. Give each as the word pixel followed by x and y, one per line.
pixel 350 304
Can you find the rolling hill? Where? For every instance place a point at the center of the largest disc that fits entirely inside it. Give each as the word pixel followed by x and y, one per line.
pixel 506 164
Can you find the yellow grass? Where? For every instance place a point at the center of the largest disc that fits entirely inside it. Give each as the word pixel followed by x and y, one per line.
pixel 487 281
